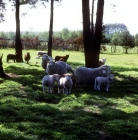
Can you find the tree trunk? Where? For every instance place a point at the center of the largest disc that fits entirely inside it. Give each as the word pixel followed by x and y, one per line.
pixel 2 74
pixel 18 44
pixel 98 33
pixel 92 26
pixel 50 30
pixel 87 36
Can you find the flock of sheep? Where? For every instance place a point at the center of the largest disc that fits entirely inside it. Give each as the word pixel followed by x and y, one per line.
pixel 59 71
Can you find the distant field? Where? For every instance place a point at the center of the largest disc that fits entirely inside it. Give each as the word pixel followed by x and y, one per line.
pixel 27 113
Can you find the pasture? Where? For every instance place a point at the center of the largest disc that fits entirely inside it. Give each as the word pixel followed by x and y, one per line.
pixel 27 113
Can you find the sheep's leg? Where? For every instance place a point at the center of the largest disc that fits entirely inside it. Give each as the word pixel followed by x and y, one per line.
pixel 98 87
pixel 95 83
pixel 95 86
pixel 48 89
pixel 107 86
pixel 70 90
pixel 52 89
pixel 43 88
pixel 58 91
pixel 66 91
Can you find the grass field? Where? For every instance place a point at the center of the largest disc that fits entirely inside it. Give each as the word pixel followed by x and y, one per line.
pixel 26 113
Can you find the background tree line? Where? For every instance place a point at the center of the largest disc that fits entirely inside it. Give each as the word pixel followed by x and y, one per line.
pixel 112 34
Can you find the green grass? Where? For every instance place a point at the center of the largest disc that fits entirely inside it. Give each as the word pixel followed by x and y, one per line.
pixel 26 113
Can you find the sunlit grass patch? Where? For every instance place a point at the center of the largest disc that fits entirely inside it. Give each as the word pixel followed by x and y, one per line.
pixel 28 113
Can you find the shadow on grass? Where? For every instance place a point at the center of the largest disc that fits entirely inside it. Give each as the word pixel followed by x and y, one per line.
pixel 28 113
pixel 43 121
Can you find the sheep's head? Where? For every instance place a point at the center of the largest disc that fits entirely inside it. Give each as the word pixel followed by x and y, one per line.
pixel 45 57
pixel 57 77
pixel 51 64
pixel 104 70
pixel 68 76
pixel 104 60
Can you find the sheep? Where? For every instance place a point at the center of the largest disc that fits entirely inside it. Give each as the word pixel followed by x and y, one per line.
pixel 84 75
pixel 11 57
pixel 40 53
pixel 45 59
pixel 102 61
pixel 62 58
pixel 59 67
pixel 49 80
pixel 27 57
pixel 65 84
pixel 103 80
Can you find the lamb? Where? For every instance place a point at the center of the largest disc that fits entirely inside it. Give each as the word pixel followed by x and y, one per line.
pixel 11 57
pixel 102 61
pixel 61 58
pixel 65 84
pixel 27 57
pixel 59 67
pixel 49 80
pixel 103 80
pixel 45 59
pixel 84 75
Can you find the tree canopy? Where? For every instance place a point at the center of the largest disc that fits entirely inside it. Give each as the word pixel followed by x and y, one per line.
pixel 116 27
pixel 2 10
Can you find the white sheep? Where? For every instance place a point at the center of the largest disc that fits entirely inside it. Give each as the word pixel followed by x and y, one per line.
pixel 65 84
pixel 59 67
pixel 84 75
pixel 102 61
pixel 45 59
pixel 103 80
pixel 49 80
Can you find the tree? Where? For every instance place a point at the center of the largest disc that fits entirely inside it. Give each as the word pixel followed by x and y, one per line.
pixel 98 33
pixel 115 41
pixel 2 73
pixel 2 9
pixel 50 29
pixel 136 41
pixel 87 36
pixel 18 44
pixel 92 42
pixel 126 40
pixel 116 27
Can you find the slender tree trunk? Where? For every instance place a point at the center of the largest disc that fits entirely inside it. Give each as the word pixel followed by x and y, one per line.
pixel 2 73
pixel 92 29
pixel 50 30
pixel 18 44
pixel 98 33
pixel 87 36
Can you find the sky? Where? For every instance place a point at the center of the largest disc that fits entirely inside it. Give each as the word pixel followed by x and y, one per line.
pixel 68 14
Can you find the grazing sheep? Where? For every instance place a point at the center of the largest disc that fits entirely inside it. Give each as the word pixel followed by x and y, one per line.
pixel 45 59
pixel 84 75
pixel 102 61
pixel 61 58
pixel 58 67
pixel 11 57
pixel 49 81
pixel 40 54
pixel 65 84
pixel 103 80
pixel 27 57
